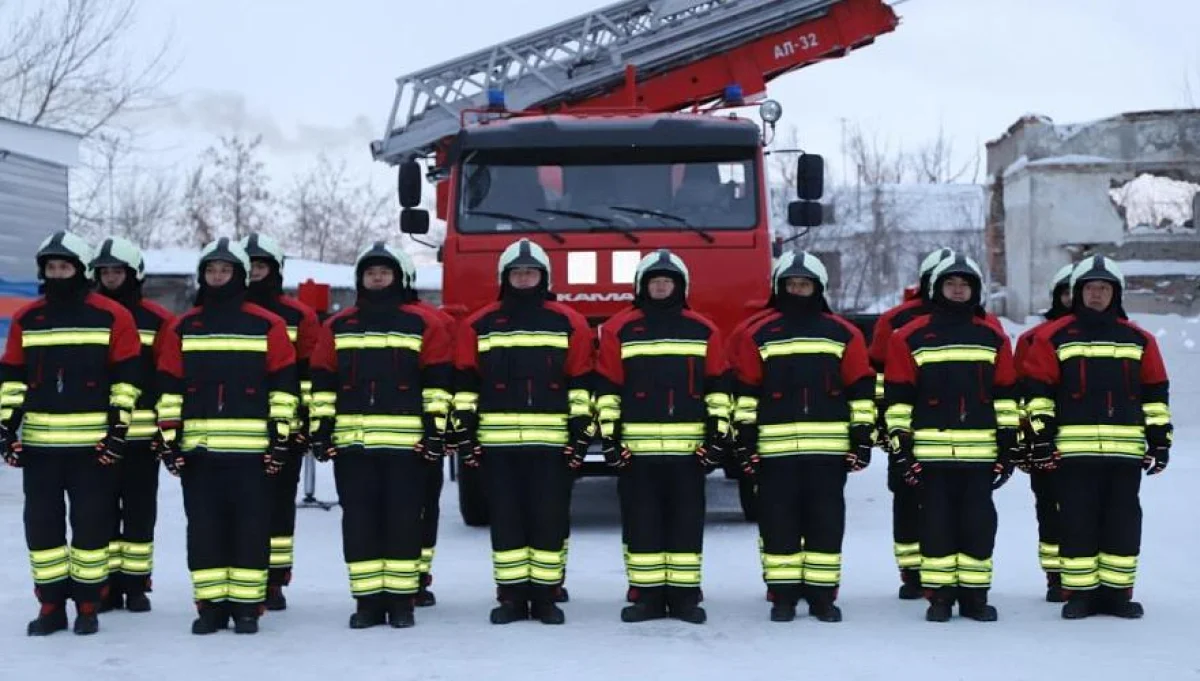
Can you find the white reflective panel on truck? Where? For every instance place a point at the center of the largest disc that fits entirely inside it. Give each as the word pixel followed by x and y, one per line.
pixel 624 266
pixel 581 267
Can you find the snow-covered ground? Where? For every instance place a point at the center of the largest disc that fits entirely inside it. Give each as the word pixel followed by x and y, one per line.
pixel 880 638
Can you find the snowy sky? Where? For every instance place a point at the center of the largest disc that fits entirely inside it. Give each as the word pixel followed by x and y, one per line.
pixel 315 75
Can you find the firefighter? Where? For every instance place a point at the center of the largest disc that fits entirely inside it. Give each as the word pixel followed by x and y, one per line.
pixel 906 546
pixel 68 381
pixel 805 417
pixel 952 418
pixel 119 272
pixel 663 398
pixel 228 397
pixel 381 374
pixel 1098 408
pixel 266 291
pixel 522 413
pixel 1042 480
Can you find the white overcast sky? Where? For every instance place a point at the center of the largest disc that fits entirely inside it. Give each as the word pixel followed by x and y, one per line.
pixel 315 74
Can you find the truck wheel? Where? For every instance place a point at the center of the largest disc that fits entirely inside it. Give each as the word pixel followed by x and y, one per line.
pixel 748 496
pixel 472 498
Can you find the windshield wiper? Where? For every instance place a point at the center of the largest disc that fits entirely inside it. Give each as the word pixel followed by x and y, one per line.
pixel 607 222
pixel 665 216
pixel 518 218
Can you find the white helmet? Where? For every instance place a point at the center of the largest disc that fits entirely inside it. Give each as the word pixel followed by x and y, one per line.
pixel 64 245
pixel 523 253
pixel 115 251
pixel 225 250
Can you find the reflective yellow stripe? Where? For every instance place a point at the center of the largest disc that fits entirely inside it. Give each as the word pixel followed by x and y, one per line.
pixel 579 402
pixel 801 346
pixel 908 555
pixel 137 558
pixel 226 435
pixel 435 401
pixel 123 396
pixel 803 437
pixel 1099 351
pixel 377 341
pixel 427 554
pixel 1118 572
pixel 282 548
pixel 745 409
pixel 147 337
pixel 66 336
pixel 224 343
pixel 1080 573
pixel 50 565
pixel 1101 440
pixel 522 339
pixel 671 439
pixel 323 404
pixel 546 567
pixel 899 416
pixel 89 566
pixel 64 430
pixel 664 347
pixel 1157 413
pixel 683 569
pixel 822 569
pixel 247 585
pixel 1007 415
pixel 377 431
pixel 931 444
pixel 783 568
pixel 511 566
pixel 12 396
pixel 293 333
pixel 879 390
pixel 366 577
pixel 466 401
pixel 1048 557
pixel 401 576
pixel 974 572
pixel 608 412
pixel 1040 406
pixel 646 569
pixel 939 571
pixel 863 412
pixel 169 407
pixel 954 353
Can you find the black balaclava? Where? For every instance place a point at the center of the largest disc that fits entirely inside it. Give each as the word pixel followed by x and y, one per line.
pixel 523 297
pixel 949 308
pixel 673 303
pixel 1057 309
pixel 268 289
pixel 127 294
pixel 73 289
pixel 1098 271
pixel 232 292
pixel 374 301
pixel 800 306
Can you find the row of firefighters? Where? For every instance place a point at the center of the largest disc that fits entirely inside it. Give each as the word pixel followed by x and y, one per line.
pixel 98 385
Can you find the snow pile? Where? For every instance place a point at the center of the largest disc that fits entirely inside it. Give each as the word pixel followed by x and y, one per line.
pixel 1155 203
pixel 1156 268
pixel 182 261
pixel 1068 160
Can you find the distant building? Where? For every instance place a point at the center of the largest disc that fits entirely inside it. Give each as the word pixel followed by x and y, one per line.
pixel 34 162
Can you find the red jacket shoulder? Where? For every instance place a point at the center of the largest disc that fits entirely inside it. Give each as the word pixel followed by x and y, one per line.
pixel 156 309
pixel 28 308
pixel 117 310
pixel 264 313
pixel 905 332
pixel 481 313
pixel 566 311
pixel 847 325
pixel 299 305
pixel 696 316
pixel 1134 325
pixel 753 324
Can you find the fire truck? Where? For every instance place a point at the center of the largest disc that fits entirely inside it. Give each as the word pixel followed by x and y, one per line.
pixel 608 136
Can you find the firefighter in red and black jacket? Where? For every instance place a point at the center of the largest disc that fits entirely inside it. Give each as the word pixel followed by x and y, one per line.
pixel 805 417
pixel 381 378
pixel 68 381
pixel 662 395
pixel 119 271
pixel 522 411
pixel 1098 408
pixel 266 291
pixel 228 397
pixel 1041 479
pixel 906 506
pixel 952 418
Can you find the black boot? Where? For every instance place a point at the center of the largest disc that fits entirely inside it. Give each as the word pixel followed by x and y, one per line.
pixel 245 618
pixel 650 604
pixel 275 600
pixel 425 597
pixel 561 595
pixel 136 599
pixel 1054 590
pixel 212 618
pixel 783 602
pixel 631 594
pixel 112 596
pixel 514 605
pixel 51 617
pixel 941 605
pixel 910 585
pixel 542 605
pixel 972 604
pixel 1119 603
pixel 683 604
pixel 87 619
pixel 820 604
pixel 400 611
pixel 369 612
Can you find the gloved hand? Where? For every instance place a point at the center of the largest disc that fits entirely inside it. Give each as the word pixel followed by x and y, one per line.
pixel 861 440
pixel 1043 453
pixel 745 448
pixel 466 438
pixel 432 445
pixel 882 441
pixel 616 454
pixel 169 452
pixel 322 440
pixel 716 446
pixel 111 448
pixel 1158 449
pixel 1008 451
pixel 10 447
pixel 277 452
pixel 581 430
pixel 902 458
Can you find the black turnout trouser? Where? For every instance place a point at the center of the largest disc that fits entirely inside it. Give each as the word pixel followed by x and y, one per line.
pixel 801 521
pixel 958 525
pixel 906 520
pixel 283 518
pixel 431 511
pixel 131 549
pixel 1101 517
pixel 663 516
pixel 1045 494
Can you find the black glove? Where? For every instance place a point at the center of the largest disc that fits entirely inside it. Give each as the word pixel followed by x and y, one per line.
pixel 1008 452
pixel 882 441
pixel 581 430
pixel 111 448
pixel 277 452
pixel 616 454
pixel 902 459
pixel 1043 453
pixel 715 448
pixel 432 445
pixel 466 438
pixel 169 453
pixel 861 440
pixel 1158 449
pixel 321 441
pixel 10 447
pixel 745 448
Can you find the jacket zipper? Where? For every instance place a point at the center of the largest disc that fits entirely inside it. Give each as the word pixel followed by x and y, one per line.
pixel 670 402
pixel 529 392
pixel 220 397
pixel 371 395
pixel 59 383
pixel 1110 404
pixel 806 400
pixel 962 409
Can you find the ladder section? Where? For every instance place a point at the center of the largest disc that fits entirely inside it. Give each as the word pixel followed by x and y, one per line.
pixel 583 60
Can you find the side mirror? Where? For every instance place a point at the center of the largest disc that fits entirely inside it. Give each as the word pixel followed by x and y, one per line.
pixel 409 184
pixel 810 177
pixel 805 214
pixel 414 221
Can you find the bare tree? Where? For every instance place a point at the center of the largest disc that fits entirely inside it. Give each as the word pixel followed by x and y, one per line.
pixel 934 162
pixel 228 191
pixel 127 199
pixel 198 223
pixel 332 216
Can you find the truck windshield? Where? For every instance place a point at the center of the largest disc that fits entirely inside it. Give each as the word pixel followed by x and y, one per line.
pixel 598 189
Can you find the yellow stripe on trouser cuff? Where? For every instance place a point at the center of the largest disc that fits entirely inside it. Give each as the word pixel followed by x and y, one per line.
pixel 1101 440
pixel 1157 413
pixel 511 566
pixel 939 571
pixel 1118 572
pixel 114 556
pixel 89 566
pixel 1080 573
pixel 822 569
pixel 64 430
pixel 50 565
pixel 908 556
pixel 366 577
pixel 427 554
pixel 137 558
pixel 401 576
pixel 646 569
pixel 281 552
pixel 247 585
pixel 1048 557
pixel 974 572
pixel 211 584
pixel 786 568
pixel 683 569
pixel 546 567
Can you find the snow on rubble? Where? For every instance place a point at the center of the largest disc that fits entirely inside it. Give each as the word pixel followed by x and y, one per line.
pixel 881 638
pixel 182 261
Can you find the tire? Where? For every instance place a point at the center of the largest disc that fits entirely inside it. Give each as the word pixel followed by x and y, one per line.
pixel 748 496
pixel 472 498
